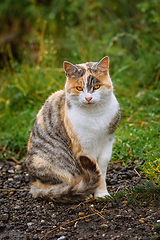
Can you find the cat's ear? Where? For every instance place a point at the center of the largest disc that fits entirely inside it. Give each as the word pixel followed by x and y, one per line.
pixel 103 65
pixel 70 69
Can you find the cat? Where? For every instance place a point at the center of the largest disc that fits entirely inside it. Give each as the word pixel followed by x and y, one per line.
pixel 71 142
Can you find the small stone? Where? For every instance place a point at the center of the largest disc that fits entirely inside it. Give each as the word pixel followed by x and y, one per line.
pixel 10 179
pixel 18 167
pixel 93 228
pixel 29 224
pixel 61 238
pixel 145 238
pixel 10 193
pixel 35 236
pixel 42 221
pixel 81 214
pixel 109 205
pixel 147 229
pixel 142 220
pixel 104 226
pixel 2 226
pixel 9 227
pixel 4 217
pixel 113 227
pixel 124 176
pixel 11 171
pixel 17 207
pixel 88 220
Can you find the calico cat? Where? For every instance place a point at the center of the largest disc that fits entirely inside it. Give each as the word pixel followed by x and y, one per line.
pixel 70 144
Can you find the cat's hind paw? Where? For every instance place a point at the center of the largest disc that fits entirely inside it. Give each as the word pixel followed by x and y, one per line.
pixel 90 197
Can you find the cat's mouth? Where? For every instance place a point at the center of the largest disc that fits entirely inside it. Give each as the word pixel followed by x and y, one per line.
pixel 88 103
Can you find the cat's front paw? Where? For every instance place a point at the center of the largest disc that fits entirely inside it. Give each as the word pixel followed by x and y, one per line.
pixel 101 194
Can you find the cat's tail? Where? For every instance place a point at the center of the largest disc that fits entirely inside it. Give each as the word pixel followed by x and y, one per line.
pixel 80 189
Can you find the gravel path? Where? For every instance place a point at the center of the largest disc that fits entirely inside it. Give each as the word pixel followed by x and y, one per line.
pixel 22 217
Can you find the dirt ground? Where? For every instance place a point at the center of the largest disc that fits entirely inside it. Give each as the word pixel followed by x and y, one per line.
pixel 22 217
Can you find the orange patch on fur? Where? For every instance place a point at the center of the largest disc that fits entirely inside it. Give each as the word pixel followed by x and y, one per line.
pixel 40 162
pixel 71 85
pixel 41 185
pixel 61 174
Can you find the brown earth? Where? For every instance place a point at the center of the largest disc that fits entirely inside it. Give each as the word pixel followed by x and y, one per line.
pixel 22 217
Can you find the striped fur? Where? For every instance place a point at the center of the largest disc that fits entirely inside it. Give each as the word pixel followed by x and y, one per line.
pixel 70 144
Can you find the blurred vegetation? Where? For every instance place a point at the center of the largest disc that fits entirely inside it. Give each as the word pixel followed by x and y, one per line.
pixel 36 36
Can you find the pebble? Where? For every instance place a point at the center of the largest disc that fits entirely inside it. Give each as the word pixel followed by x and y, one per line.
pixel 17 207
pixel 113 227
pixel 35 236
pixel 10 193
pixel 142 220
pixel 9 227
pixel 147 229
pixel 81 214
pixel 109 205
pixel 2 226
pixel 29 224
pixel 61 238
pixel 104 226
pixel 93 228
pixel 4 217
pixel 18 167
pixel 11 171
pixel 145 238
pixel 10 179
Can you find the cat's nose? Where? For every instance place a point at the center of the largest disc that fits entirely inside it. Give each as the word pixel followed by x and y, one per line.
pixel 88 99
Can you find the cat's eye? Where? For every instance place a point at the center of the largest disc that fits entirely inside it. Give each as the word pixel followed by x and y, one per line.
pixel 79 88
pixel 96 87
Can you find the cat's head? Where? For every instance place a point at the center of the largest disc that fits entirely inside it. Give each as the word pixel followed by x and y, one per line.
pixel 88 84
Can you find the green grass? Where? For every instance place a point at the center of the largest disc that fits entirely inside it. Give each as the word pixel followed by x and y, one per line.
pixel 22 95
pixel 138 136
pixel 148 192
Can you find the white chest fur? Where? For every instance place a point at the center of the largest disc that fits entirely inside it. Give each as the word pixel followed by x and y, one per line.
pixel 91 124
